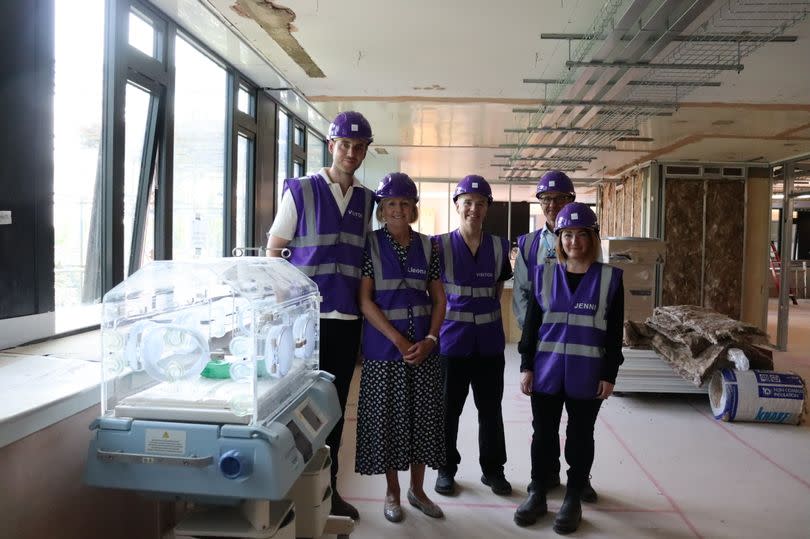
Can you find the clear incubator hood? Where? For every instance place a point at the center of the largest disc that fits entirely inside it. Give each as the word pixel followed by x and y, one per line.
pixel 230 340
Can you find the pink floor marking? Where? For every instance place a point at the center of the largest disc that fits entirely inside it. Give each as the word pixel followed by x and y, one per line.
pixel 652 479
pixel 751 447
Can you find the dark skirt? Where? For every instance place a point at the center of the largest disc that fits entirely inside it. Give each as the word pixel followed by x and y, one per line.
pixel 400 416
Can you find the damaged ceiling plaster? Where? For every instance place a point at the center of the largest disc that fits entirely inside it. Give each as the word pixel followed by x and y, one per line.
pixel 277 22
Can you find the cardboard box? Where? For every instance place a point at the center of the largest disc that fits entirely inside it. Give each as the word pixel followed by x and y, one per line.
pixel 638 250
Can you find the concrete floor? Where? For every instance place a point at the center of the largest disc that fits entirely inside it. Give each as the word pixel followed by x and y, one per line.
pixel 664 468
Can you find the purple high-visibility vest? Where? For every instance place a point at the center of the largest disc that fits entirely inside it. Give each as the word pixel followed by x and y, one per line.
pixel 571 340
pixel 472 324
pixel 534 249
pixel 328 246
pixel 395 289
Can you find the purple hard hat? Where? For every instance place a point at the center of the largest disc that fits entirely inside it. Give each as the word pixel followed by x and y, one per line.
pixel 396 184
pixel 576 215
pixel 555 181
pixel 473 184
pixel 350 124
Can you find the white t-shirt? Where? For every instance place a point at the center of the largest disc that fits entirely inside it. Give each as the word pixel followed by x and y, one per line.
pixel 286 221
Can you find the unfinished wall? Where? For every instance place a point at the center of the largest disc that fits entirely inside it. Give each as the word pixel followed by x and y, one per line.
pixel 683 232
pixel 620 206
pixel 756 277
pixel 725 235
pixel 704 228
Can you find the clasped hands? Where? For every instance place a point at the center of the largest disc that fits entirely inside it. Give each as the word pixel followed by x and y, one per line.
pixel 415 353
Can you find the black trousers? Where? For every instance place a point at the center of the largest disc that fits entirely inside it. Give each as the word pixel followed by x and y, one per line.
pixel 579 444
pixel 339 345
pixel 485 375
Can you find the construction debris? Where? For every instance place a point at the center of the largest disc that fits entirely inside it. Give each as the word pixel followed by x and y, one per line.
pixel 695 340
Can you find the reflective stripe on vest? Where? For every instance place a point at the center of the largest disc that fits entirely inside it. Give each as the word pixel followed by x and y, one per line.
pixel 402 314
pixel 477 319
pixel 583 350
pixel 597 321
pixel 381 283
pixel 470 291
pixel 312 238
pixel 330 268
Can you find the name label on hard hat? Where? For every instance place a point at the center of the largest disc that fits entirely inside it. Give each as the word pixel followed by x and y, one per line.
pixel 165 442
pixel 574 216
pixel 552 183
pixel 355 127
pixel 475 184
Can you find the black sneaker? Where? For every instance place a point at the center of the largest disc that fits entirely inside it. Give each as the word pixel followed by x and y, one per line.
pixel 497 483
pixel 445 484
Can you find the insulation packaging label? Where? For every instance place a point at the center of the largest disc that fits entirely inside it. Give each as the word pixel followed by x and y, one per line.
pixel 761 396
pixel 165 442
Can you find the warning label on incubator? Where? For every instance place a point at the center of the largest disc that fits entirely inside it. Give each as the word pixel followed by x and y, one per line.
pixel 166 442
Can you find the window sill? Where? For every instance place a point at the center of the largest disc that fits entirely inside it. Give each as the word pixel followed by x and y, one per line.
pixel 47 382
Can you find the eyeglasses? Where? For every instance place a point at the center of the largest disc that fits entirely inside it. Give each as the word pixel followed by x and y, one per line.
pixel 547 200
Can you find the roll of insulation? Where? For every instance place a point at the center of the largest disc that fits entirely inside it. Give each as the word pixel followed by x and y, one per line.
pixel 755 395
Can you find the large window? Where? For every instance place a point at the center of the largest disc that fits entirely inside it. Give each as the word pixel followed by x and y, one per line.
pixel 283 144
pixel 199 154
pixel 77 135
pixel 435 214
pixel 315 153
pixel 137 178
pixel 244 171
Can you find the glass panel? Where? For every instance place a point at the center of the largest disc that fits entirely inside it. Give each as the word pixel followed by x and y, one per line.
pixel 283 150
pixel 435 215
pixel 148 251
pixel 314 153
pixel 79 60
pixel 299 136
pixel 199 154
pixel 244 170
pixel 136 114
pixel 244 101
pixel 298 169
pixel 141 33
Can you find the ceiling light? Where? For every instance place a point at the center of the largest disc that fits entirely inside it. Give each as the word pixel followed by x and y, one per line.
pixel 722 122
pixel 635 139
pixel 381 151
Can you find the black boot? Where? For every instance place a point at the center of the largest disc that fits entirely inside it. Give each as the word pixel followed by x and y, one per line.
pixel 588 493
pixel 531 509
pixel 570 513
pixel 445 483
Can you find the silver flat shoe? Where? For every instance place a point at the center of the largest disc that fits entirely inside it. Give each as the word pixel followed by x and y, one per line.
pixel 392 511
pixel 427 507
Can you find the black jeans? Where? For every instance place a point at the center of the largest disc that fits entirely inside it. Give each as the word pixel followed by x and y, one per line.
pixel 579 444
pixel 485 375
pixel 339 345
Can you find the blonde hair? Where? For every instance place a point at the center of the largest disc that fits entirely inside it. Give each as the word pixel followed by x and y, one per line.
pixel 594 250
pixel 378 212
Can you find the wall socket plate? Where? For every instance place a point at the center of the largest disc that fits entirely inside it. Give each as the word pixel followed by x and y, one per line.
pixel 5 217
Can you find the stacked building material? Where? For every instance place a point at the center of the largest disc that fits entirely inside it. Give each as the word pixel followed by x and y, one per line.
pixel 695 340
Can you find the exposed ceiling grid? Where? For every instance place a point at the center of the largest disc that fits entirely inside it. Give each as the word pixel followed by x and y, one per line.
pixel 439 80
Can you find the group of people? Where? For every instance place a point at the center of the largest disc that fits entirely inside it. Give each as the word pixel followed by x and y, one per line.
pixel 426 313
